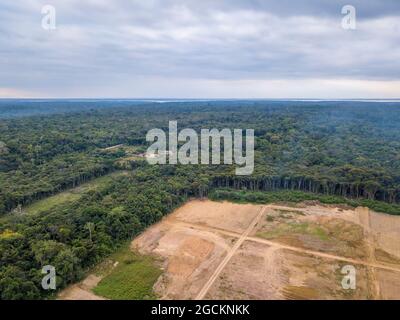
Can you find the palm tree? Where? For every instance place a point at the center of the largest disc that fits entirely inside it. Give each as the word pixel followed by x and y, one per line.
pixel 90 227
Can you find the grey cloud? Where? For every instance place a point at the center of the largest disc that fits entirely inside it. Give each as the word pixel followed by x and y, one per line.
pixel 100 42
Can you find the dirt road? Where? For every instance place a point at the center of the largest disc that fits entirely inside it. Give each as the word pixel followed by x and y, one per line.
pixel 214 250
pixel 230 254
pixel 287 247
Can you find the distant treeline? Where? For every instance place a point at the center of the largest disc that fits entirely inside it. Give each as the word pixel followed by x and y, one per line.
pixel 349 190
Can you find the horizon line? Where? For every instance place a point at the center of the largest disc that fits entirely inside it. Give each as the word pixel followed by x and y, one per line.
pixel 156 99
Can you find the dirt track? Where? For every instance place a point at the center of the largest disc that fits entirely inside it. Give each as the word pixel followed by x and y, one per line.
pixel 81 290
pixel 229 255
pixel 292 248
pixel 223 250
pixel 288 266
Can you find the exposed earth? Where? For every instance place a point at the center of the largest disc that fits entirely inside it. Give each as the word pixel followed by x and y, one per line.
pixel 221 250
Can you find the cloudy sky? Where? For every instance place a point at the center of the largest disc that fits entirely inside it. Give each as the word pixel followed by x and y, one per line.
pixel 200 49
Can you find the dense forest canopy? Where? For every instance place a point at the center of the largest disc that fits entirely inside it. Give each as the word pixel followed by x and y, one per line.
pixel 330 149
pixel 345 148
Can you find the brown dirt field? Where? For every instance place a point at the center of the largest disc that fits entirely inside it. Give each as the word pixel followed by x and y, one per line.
pixel 347 233
pixel 313 231
pixel 190 256
pixel 220 250
pixel 260 271
pixel 389 284
pixel 263 273
pixel 224 215
pixel 310 278
pixel 253 273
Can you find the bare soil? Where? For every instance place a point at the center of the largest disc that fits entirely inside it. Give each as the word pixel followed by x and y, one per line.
pixel 82 290
pixel 220 250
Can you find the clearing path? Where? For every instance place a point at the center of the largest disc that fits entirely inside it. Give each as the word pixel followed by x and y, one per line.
pixel 81 290
pixel 268 252
pixel 230 254
pixel 277 245
pixel 221 250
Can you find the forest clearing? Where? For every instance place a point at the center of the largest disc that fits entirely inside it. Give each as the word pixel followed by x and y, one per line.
pixel 70 195
pixel 221 250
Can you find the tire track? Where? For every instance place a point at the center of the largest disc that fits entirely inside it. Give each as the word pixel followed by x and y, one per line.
pixel 230 254
pixel 287 247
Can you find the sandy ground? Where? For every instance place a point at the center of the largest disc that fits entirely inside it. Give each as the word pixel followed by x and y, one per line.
pixel 191 254
pixel 82 290
pixel 220 250
pixel 227 216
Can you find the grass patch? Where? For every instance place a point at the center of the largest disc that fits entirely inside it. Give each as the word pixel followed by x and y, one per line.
pixel 132 279
pixel 50 202
pixel 290 212
pixel 295 228
pixel 345 231
pixel 69 195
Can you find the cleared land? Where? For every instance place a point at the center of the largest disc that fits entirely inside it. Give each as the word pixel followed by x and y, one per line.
pixel 221 250
pixel 69 195
pixel 126 275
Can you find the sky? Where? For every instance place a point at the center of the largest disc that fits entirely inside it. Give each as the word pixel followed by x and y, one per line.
pixel 200 49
